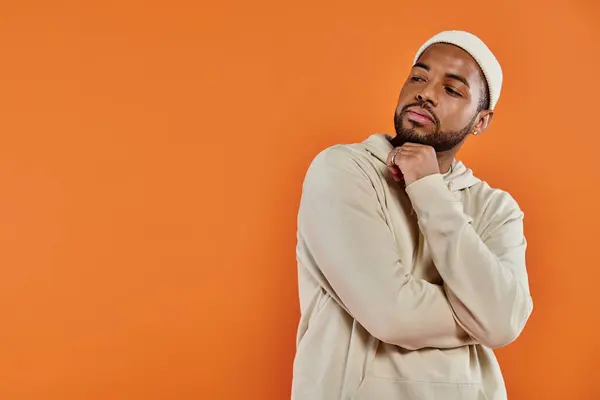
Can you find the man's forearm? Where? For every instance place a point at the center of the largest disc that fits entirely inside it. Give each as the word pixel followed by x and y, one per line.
pixel 486 280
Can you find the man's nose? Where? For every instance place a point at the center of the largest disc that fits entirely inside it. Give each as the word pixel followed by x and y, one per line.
pixel 427 95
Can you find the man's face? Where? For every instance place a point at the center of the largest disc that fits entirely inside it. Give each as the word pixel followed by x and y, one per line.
pixel 438 104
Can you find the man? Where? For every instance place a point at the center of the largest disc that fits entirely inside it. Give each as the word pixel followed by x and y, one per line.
pixel 411 270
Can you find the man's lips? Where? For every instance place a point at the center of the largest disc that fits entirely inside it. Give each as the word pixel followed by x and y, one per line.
pixel 421 116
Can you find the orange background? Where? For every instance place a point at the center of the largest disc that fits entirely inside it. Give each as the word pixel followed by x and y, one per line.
pixel 151 157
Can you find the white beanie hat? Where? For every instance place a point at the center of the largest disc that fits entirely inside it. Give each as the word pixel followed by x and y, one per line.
pixel 479 51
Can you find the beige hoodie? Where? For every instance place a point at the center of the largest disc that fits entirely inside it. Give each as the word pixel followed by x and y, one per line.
pixel 404 292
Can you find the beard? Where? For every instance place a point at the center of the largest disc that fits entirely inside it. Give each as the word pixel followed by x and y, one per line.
pixel 440 140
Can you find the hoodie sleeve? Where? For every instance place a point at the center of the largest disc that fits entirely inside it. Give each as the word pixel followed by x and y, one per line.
pixel 345 234
pixel 485 277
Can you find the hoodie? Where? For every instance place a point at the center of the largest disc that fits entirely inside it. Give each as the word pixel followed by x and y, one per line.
pixel 404 292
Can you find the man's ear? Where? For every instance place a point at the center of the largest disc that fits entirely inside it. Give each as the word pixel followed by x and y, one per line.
pixel 484 119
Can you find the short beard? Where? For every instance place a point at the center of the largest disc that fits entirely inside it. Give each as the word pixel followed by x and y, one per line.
pixel 439 140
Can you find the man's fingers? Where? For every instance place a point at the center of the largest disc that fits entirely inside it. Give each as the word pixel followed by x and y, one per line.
pixel 395 171
pixel 396 174
pixel 406 163
pixel 407 149
pixel 389 158
pixel 393 156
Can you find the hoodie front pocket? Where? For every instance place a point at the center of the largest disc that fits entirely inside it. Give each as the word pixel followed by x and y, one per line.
pixel 383 389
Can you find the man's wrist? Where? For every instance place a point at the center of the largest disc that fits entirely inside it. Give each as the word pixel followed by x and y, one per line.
pixel 431 195
pixel 409 182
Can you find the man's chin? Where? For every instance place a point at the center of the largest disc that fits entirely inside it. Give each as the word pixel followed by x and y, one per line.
pixel 415 133
pixel 417 128
pixel 419 133
pixel 411 137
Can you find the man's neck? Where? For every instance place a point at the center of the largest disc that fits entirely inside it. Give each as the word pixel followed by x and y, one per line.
pixel 445 161
pixel 446 158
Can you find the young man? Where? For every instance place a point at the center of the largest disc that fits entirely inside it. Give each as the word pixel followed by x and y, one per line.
pixel 411 269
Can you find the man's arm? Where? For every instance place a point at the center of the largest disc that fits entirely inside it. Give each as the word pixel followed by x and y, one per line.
pixel 485 277
pixel 343 226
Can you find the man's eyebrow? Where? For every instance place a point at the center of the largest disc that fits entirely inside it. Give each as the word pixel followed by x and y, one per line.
pixel 458 78
pixel 451 76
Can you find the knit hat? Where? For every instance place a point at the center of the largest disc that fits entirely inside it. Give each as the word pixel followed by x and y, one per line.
pixel 479 51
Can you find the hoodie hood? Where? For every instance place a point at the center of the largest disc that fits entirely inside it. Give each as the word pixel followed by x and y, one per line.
pixel 459 177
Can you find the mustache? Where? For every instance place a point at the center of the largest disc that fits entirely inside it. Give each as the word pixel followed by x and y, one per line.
pixel 424 105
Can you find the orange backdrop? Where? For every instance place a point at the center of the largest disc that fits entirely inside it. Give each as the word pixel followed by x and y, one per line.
pixel 151 157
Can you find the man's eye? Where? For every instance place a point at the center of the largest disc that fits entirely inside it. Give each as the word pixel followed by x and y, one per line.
pixel 417 79
pixel 452 92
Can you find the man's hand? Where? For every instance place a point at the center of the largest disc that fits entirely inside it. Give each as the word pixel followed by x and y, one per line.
pixel 411 162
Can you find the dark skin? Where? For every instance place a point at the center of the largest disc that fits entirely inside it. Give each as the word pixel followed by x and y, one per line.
pixel 438 107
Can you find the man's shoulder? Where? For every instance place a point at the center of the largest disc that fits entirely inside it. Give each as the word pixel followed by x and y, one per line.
pixel 342 167
pixel 496 200
pixel 341 156
pixel 342 152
